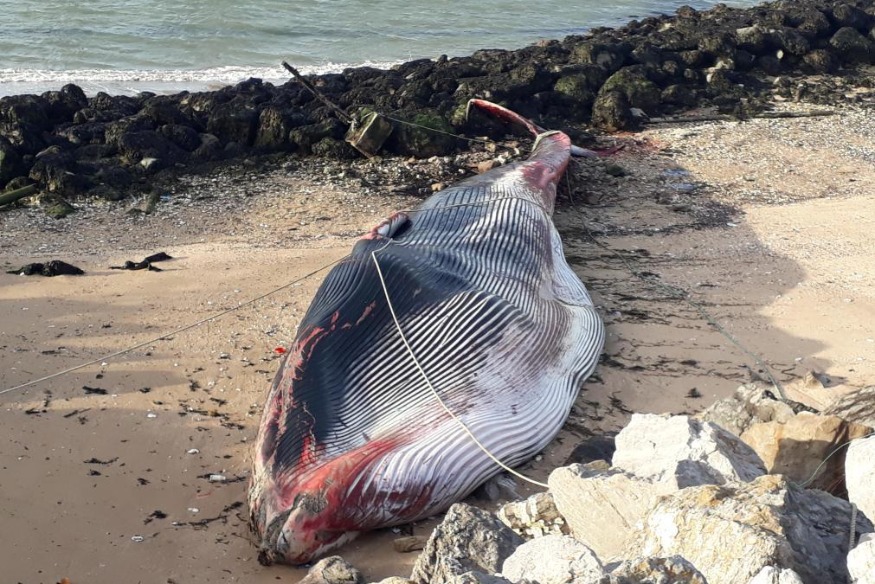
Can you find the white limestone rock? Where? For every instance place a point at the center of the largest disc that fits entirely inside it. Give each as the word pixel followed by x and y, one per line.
pixel 773 575
pixel 603 507
pixel 860 475
pixel 671 570
pixel 731 532
pixel 861 561
pixel 553 559
pixel 684 451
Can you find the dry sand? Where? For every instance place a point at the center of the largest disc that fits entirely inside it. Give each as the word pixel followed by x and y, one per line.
pixel 768 225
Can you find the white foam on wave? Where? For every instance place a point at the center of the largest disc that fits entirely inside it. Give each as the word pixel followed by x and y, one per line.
pixel 131 82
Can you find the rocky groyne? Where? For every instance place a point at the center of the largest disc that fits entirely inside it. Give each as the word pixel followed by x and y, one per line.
pixel 68 145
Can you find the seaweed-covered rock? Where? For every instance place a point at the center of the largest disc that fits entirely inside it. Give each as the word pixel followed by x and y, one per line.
pixel 853 46
pixel 184 137
pixel 11 165
pixel 136 146
pixel 234 122
pixel 274 125
pixel 821 61
pixel 608 56
pixel 417 137
pixel 304 137
pixel 611 112
pixel 633 83
pixel 852 16
pixel 63 104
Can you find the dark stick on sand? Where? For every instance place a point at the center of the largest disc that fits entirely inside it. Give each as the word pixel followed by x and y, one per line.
pixel 344 117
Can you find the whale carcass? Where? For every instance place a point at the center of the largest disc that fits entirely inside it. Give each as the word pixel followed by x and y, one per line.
pixel 459 319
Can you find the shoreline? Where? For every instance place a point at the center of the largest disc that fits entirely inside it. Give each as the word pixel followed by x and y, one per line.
pixel 730 61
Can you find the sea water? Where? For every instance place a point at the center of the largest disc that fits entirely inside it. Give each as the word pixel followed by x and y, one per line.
pixel 126 46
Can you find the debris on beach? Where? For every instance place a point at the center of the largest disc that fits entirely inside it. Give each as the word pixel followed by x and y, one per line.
pixel 145 264
pixel 49 269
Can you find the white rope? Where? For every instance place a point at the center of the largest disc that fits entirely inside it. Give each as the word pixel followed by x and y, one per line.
pixel 432 388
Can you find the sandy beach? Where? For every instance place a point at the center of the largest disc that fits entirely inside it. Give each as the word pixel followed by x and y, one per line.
pixel 723 252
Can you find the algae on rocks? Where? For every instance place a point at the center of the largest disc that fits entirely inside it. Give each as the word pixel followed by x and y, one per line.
pixel 424 134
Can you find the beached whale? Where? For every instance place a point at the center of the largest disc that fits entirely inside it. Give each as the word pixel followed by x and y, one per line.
pixel 460 314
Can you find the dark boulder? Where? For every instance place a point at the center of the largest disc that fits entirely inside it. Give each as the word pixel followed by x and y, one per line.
pixel 303 137
pixel 84 133
pixel 611 112
pixel 639 91
pixel 164 110
pixel 183 136
pixel 576 91
pixel 114 131
pixel 811 22
pixel 114 175
pixel 608 56
pixel 134 147
pixel 426 134
pixel 30 110
pixel 235 121
pixel 852 16
pixel 26 139
pixel 821 61
pixel 56 171
pixel 11 165
pixel 790 40
pixel 852 46
pixel 63 104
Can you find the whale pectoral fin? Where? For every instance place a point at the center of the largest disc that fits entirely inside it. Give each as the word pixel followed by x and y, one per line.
pixel 391 227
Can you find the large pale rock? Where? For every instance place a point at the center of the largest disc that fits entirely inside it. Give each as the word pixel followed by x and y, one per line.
pixel 751 403
pixel 534 517
pixel 857 406
pixel 672 570
pixel 773 575
pixel 553 559
pixel 861 561
pixel 684 451
pixel 333 570
pixel 800 448
pixel 468 539
pixel 602 507
pixel 860 475
pixel 731 532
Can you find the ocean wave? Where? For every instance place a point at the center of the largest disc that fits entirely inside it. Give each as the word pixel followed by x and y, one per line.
pixel 92 81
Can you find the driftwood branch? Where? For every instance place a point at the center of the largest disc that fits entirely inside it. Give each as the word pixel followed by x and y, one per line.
pixel 736 118
pixel 344 117
pixel 12 196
